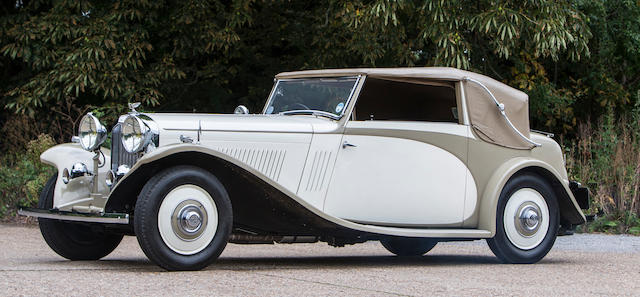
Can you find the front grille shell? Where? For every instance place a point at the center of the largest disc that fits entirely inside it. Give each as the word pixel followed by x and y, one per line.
pixel 120 156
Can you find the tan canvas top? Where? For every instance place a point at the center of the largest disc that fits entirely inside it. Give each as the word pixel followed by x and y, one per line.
pixel 485 118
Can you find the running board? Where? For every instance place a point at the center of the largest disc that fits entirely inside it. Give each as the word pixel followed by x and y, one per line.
pixel 106 218
pixel 432 233
pixel 415 231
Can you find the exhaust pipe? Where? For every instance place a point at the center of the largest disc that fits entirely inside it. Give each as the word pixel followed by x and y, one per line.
pixel 270 239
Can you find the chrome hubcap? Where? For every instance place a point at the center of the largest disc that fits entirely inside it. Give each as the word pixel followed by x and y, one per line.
pixel 189 220
pixel 528 219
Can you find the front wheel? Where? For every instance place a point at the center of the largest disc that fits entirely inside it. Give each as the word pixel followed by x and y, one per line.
pixel 183 218
pixel 526 221
pixel 74 241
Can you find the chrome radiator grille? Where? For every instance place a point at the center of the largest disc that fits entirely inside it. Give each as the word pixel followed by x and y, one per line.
pixel 119 156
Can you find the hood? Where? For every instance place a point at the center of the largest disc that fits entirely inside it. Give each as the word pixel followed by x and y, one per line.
pixel 239 123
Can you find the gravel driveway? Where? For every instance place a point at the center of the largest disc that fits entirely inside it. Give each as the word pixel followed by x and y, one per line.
pixel 578 265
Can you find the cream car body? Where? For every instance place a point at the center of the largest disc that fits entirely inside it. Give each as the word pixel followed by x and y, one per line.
pixel 358 176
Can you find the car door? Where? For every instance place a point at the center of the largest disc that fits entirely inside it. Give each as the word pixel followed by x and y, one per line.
pixel 398 168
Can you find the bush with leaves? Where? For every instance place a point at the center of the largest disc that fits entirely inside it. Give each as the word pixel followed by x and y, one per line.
pixel 97 52
pixel 606 157
pixel 462 34
pixel 22 176
pixel 112 51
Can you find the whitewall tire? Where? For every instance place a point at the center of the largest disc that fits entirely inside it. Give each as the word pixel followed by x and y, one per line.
pixel 187 219
pixel 183 218
pixel 527 220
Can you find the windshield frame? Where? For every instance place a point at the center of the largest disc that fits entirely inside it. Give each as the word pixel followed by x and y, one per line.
pixel 337 117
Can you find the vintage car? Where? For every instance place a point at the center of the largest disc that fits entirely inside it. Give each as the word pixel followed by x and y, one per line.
pixel 405 156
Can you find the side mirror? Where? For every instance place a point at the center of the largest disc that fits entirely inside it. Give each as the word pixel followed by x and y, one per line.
pixel 241 109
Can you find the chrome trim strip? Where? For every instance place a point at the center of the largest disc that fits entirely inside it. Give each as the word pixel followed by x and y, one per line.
pixel 234 131
pixel 273 89
pixel 547 134
pixel 310 112
pixel 501 109
pixel 353 91
pixel 107 218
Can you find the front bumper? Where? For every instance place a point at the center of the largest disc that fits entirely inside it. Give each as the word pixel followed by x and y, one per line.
pixel 580 193
pixel 104 218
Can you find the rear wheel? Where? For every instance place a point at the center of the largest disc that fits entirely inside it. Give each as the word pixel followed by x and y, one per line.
pixel 74 241
pixel 526 221
pixel 406 247
pixel 183 218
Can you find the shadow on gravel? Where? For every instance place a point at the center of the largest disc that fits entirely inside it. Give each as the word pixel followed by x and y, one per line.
pixel 346 262
pixel 271 263
pixel 141 264
pixel 341 262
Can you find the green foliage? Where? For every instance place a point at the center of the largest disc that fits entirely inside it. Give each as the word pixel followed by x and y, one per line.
pixel 550 107
pixel 610 76
pixel 107 53
pixel 113 51
pixel 459 33
pixel 22 176
pixel 615 223
pixel 606 157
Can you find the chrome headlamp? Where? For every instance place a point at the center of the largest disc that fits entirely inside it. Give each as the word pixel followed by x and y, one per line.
pixel 136 134
pixel 91 132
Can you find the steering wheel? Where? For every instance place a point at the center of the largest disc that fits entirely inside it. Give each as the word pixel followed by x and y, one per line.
pixel 300 104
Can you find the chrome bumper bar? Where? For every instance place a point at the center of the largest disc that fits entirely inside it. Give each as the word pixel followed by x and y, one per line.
pixel 106 218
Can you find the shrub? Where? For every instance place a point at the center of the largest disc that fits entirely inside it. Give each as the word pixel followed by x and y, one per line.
pixel 22 176
pixel 606 157
pixel 619 222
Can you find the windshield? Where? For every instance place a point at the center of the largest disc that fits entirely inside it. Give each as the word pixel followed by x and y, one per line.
pixel 329 95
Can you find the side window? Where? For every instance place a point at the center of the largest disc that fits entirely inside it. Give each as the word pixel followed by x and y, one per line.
pixel 391 100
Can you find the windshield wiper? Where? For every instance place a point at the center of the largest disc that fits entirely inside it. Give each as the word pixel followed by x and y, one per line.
pixel 312 112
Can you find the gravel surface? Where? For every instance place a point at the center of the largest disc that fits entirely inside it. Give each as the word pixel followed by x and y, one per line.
pixel 578 265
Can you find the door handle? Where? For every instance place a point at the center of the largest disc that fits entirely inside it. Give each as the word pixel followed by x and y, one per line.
pixel 346 144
